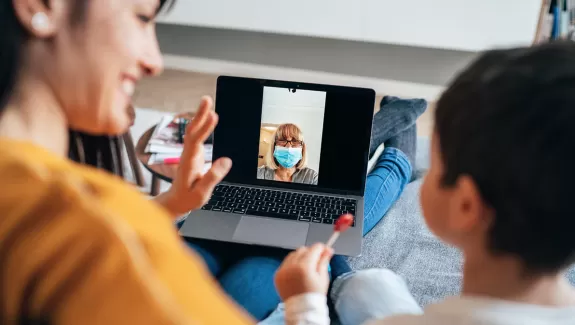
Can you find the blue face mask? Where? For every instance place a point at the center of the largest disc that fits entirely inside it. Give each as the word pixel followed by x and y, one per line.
pixel 287 157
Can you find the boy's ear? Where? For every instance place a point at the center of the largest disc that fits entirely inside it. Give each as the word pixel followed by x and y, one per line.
pixel 469 210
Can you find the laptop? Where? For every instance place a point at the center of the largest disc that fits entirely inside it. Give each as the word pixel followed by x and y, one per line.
pixel 300 153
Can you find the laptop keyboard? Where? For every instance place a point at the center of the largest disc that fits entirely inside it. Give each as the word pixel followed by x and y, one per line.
pixel 278 204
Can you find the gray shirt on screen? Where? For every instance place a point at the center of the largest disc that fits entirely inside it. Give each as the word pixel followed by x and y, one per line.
pixel 301 176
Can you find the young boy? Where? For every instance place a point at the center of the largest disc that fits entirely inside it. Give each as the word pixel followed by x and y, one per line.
pixel 500 188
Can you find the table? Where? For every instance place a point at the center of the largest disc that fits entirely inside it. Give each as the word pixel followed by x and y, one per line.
pixel 165 172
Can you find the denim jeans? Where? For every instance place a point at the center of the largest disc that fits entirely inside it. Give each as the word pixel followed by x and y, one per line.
pixel 246 272
pixel 384 185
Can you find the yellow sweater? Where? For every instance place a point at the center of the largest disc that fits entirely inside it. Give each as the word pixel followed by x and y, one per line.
pixel 78 246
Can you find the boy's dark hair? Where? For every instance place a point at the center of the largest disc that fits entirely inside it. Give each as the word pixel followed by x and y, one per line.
pixel 508 121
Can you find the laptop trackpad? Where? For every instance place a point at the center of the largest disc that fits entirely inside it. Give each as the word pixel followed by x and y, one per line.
pixel 273 232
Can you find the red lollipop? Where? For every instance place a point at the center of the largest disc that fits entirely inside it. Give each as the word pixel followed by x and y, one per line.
pixel 341 224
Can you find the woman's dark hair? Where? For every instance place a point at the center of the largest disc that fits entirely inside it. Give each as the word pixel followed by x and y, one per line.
pixel 97 151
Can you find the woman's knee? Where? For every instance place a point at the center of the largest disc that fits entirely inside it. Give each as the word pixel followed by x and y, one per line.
pixel 255 272
pixel 250 282
pixel 210 258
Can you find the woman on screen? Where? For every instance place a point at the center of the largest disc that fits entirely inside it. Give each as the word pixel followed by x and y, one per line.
pixel 287 157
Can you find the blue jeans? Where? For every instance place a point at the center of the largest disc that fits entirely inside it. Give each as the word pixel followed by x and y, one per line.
pixel 384 185
pixel 246 272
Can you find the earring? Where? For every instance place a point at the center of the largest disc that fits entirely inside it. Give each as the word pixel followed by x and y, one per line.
pixel 40 21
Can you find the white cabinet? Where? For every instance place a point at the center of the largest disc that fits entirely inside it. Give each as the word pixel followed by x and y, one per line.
pixel 450 24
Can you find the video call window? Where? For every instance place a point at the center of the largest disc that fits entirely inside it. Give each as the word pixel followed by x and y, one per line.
pixel 291 135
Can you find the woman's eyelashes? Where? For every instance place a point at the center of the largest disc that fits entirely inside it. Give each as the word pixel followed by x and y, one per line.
pixel 146 19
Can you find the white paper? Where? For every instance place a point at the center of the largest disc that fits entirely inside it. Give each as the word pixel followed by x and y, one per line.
pixel 158 159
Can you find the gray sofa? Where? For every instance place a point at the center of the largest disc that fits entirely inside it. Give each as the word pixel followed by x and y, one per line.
pixel 401 242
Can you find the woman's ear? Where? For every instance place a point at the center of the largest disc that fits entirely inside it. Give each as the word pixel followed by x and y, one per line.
pixel 41 18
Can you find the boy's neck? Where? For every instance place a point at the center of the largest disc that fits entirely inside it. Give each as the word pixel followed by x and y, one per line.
pixel 505 278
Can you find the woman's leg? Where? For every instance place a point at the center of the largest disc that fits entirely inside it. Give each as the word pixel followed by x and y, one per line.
pixel 395 116
pixel 393 126
pixel 250 282
pixel 384 185
pixel 246 273
pixel 211 252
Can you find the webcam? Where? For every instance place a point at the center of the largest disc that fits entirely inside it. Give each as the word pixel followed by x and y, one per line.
pixel 292 90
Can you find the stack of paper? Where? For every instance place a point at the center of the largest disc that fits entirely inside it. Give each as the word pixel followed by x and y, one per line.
pixel 160 157
pixel 164 143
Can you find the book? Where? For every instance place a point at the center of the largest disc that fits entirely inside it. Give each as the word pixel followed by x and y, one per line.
pixel 557 13
pixel 165 141
pixel 545 24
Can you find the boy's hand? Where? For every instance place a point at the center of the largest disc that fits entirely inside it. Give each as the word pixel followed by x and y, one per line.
pixel 304 271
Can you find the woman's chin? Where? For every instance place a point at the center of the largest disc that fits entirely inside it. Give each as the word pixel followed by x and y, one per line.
pixel 115 127
pixel 118 123
pixel 118 128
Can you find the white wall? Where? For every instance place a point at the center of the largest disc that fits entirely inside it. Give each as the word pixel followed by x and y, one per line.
pixel 447 24
pixel 304 108
pixel 404 48
pixel 388 69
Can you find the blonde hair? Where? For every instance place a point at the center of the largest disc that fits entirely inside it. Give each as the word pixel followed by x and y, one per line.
pixel 286 131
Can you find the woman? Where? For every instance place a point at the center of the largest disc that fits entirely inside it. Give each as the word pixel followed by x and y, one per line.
pixel 77 244
pixel 286 159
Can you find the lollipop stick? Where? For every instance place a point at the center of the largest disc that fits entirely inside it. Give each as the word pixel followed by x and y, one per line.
pixel 341 225
pixel 332 239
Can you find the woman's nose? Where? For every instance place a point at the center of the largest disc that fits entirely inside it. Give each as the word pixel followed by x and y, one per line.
pixel 152 62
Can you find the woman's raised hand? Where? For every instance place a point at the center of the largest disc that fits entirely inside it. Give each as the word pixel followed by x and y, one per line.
pixel 191 189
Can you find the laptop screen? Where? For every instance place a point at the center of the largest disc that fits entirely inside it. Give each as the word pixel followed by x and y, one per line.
pixel 294 135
